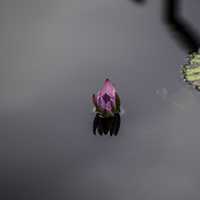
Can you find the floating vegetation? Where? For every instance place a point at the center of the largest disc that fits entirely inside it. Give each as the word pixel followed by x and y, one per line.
pixel 191 70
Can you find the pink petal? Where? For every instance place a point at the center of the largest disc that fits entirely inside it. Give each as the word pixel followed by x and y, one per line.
pixel 106 97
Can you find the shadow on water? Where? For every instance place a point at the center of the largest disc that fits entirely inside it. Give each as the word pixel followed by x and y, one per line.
pixel 184 34
pixel 139 1
pixel 25 183
pixel 106 126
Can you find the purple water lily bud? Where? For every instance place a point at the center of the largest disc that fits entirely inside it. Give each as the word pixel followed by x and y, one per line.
pixel 107 101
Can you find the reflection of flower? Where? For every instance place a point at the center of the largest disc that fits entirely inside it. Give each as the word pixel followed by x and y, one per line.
pixel 106 125
pixel 107 101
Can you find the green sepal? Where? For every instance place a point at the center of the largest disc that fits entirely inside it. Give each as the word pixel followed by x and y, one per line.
pixel 105 114
pixel 118 102
pixel 94 100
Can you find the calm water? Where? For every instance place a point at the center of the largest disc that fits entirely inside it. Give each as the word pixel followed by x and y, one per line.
pixel 54 55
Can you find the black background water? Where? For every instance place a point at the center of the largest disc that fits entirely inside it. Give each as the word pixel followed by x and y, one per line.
pixel 54 55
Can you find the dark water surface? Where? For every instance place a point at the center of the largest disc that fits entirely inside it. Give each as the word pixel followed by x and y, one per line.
pixel 54 55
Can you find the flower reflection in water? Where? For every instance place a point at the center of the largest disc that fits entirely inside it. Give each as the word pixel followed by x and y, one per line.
pixel 108 125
